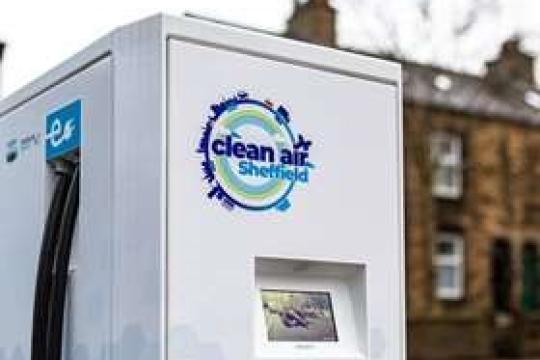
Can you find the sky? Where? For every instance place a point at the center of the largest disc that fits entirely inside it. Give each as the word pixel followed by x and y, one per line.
pixel 41 34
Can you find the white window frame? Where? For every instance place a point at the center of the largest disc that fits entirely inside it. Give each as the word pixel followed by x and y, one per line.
pixel 451 161
pixel 456 260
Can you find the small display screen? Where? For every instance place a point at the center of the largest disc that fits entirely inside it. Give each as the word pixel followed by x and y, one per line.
pixel 299 316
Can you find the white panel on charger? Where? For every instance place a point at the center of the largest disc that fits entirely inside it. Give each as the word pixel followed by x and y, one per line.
pixel 342 208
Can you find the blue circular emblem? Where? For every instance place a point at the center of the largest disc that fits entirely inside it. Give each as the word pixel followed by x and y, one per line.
pixel 251 157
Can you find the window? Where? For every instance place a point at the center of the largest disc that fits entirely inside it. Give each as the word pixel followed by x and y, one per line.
pixel 446 156
pixel 501 275
pixel 449 266
pixel 530 298
pixel 442 82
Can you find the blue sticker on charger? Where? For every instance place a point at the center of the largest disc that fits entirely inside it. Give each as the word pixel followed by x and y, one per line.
pixel 63 129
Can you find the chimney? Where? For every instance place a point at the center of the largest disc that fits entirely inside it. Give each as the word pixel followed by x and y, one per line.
pixel 313 21
pixel 512 65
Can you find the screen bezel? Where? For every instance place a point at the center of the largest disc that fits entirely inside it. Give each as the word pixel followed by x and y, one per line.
pixel 345 318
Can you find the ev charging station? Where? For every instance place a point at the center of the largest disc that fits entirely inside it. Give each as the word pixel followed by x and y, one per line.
pixel 239 198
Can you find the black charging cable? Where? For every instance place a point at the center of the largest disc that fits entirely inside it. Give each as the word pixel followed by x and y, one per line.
pixel 61 269
pixel 41 314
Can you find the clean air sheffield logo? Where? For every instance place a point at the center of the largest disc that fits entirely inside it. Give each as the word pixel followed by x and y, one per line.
pixel 252 159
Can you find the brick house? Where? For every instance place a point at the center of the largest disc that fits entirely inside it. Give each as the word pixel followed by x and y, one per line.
pixel 472 148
